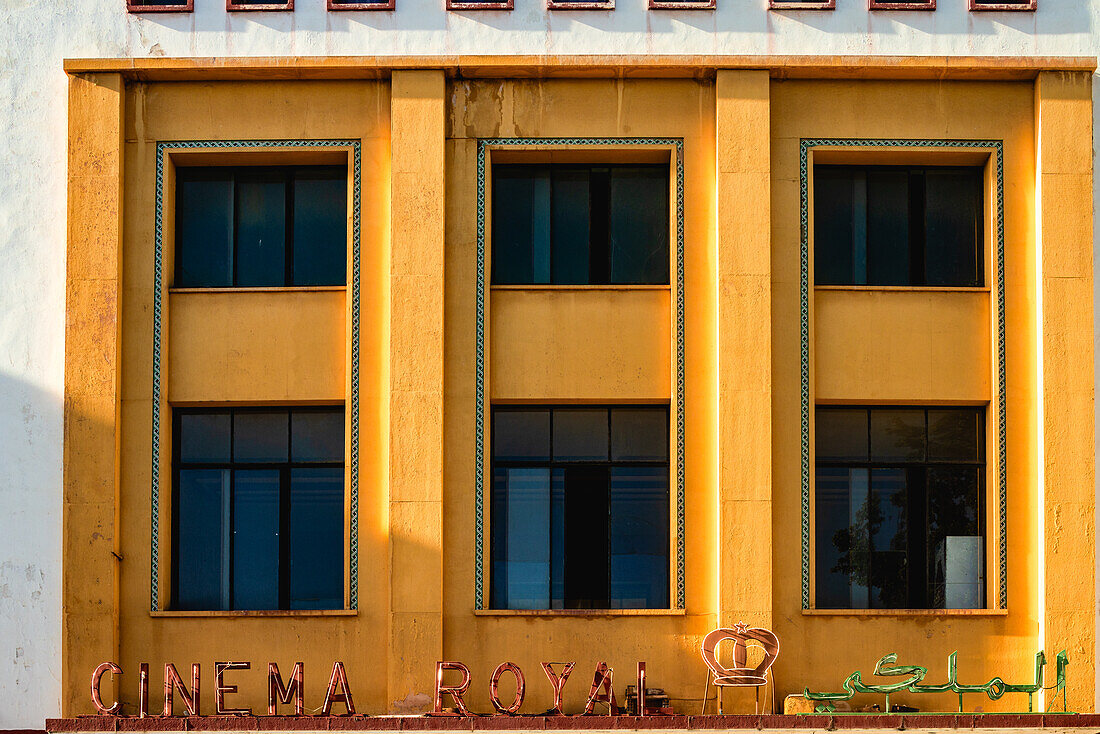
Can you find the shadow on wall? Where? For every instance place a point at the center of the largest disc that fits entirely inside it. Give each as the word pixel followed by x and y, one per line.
pixel 30 553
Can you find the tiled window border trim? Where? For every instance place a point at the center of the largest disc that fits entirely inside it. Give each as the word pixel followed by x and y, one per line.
pixel 139 7
pixel 996 147
pixel 483 147
pixel 355 147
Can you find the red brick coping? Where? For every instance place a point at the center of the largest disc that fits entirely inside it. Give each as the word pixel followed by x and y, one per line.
pixel 564 723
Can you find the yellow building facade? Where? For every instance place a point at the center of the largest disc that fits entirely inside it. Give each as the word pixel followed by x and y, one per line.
pixel 742 346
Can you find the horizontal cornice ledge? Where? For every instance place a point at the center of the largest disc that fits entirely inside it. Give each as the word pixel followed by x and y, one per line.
pixel 582 66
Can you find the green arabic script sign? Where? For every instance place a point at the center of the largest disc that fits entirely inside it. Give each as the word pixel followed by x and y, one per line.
pixel 913 682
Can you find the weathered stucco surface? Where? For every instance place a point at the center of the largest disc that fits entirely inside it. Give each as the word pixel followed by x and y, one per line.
pixel 36 35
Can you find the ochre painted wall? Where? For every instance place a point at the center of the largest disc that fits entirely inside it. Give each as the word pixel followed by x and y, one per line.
pixel 740 135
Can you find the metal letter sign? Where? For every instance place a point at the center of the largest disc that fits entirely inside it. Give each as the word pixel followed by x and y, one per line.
pixel 914 682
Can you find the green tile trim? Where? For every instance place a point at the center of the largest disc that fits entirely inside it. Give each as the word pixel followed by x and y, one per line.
pixel 997 149
pixel 158 311
pixel 483 147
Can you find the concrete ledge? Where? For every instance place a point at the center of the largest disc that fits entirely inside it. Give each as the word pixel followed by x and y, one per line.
pixel 821 722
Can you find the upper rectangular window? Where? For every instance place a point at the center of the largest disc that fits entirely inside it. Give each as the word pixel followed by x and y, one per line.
pixel 580 224
pixel 259 5
pixel 900 508
pixel 580 508
pixel 898 226
pixel 1004 4
pixel 254 226
pixel 258 509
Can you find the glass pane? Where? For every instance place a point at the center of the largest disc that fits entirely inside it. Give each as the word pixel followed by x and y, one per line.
pixel 580 435
pixel 320 251
pixel 317 538
pixel 586 537
pixel 317 435
pixel 955 435
pixel 639 538
pixel 521 538
pixel 521 225
pixel 256 539
pixel 521 435
pixel 888 228
pixel 202 542
pixel 260 436
pixel 204 229
pixel 888 524
pixel 841 434
pixel 953 227
pixel 843 541
pixel 557 539
pixel 897 435
pixel 204 437
pixel 570 229
pixel 838 232
pixel 639 435
pixel 639 224
pixel 261 229
pixel 955 537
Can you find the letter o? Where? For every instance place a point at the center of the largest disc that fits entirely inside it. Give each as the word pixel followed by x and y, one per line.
pixel 494 684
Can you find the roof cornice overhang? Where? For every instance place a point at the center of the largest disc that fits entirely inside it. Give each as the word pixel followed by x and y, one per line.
pixel 582 66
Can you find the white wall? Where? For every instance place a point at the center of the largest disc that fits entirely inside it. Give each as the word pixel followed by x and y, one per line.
pixel 35 35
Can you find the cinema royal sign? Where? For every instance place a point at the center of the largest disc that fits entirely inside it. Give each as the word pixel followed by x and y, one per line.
pixel 291 690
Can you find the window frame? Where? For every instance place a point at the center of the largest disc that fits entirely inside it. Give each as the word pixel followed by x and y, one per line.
pixel 984 507
pixel 136 6
pixel 979 6
pixel 335 6
pixel 288 173
pixel 683 4
pixel 284 468
pixel 580 5
pixel 904 5
pixel 474 5
pixel 802 5
pixel 552 463
pixel 234 6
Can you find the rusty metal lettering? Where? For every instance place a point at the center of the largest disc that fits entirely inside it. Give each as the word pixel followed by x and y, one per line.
pixel 220 688
pixel 641 688
pixel 740 674
pixel 602 679
pixel 277 692
pixel 172 681
pixel 339 679
pixel 143 690
pixel 558 682
pixel 455 692
pixel 97 700
pixel 494 685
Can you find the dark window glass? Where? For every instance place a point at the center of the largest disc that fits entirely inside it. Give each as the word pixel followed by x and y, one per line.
pixel 580 225
pixel 521 435
pixel 580 531
pixel 316 552
pixel 261 226
pixel 258 525
pixel 204 228
pixel 900 525
pixel 898 225
pixel 202 524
